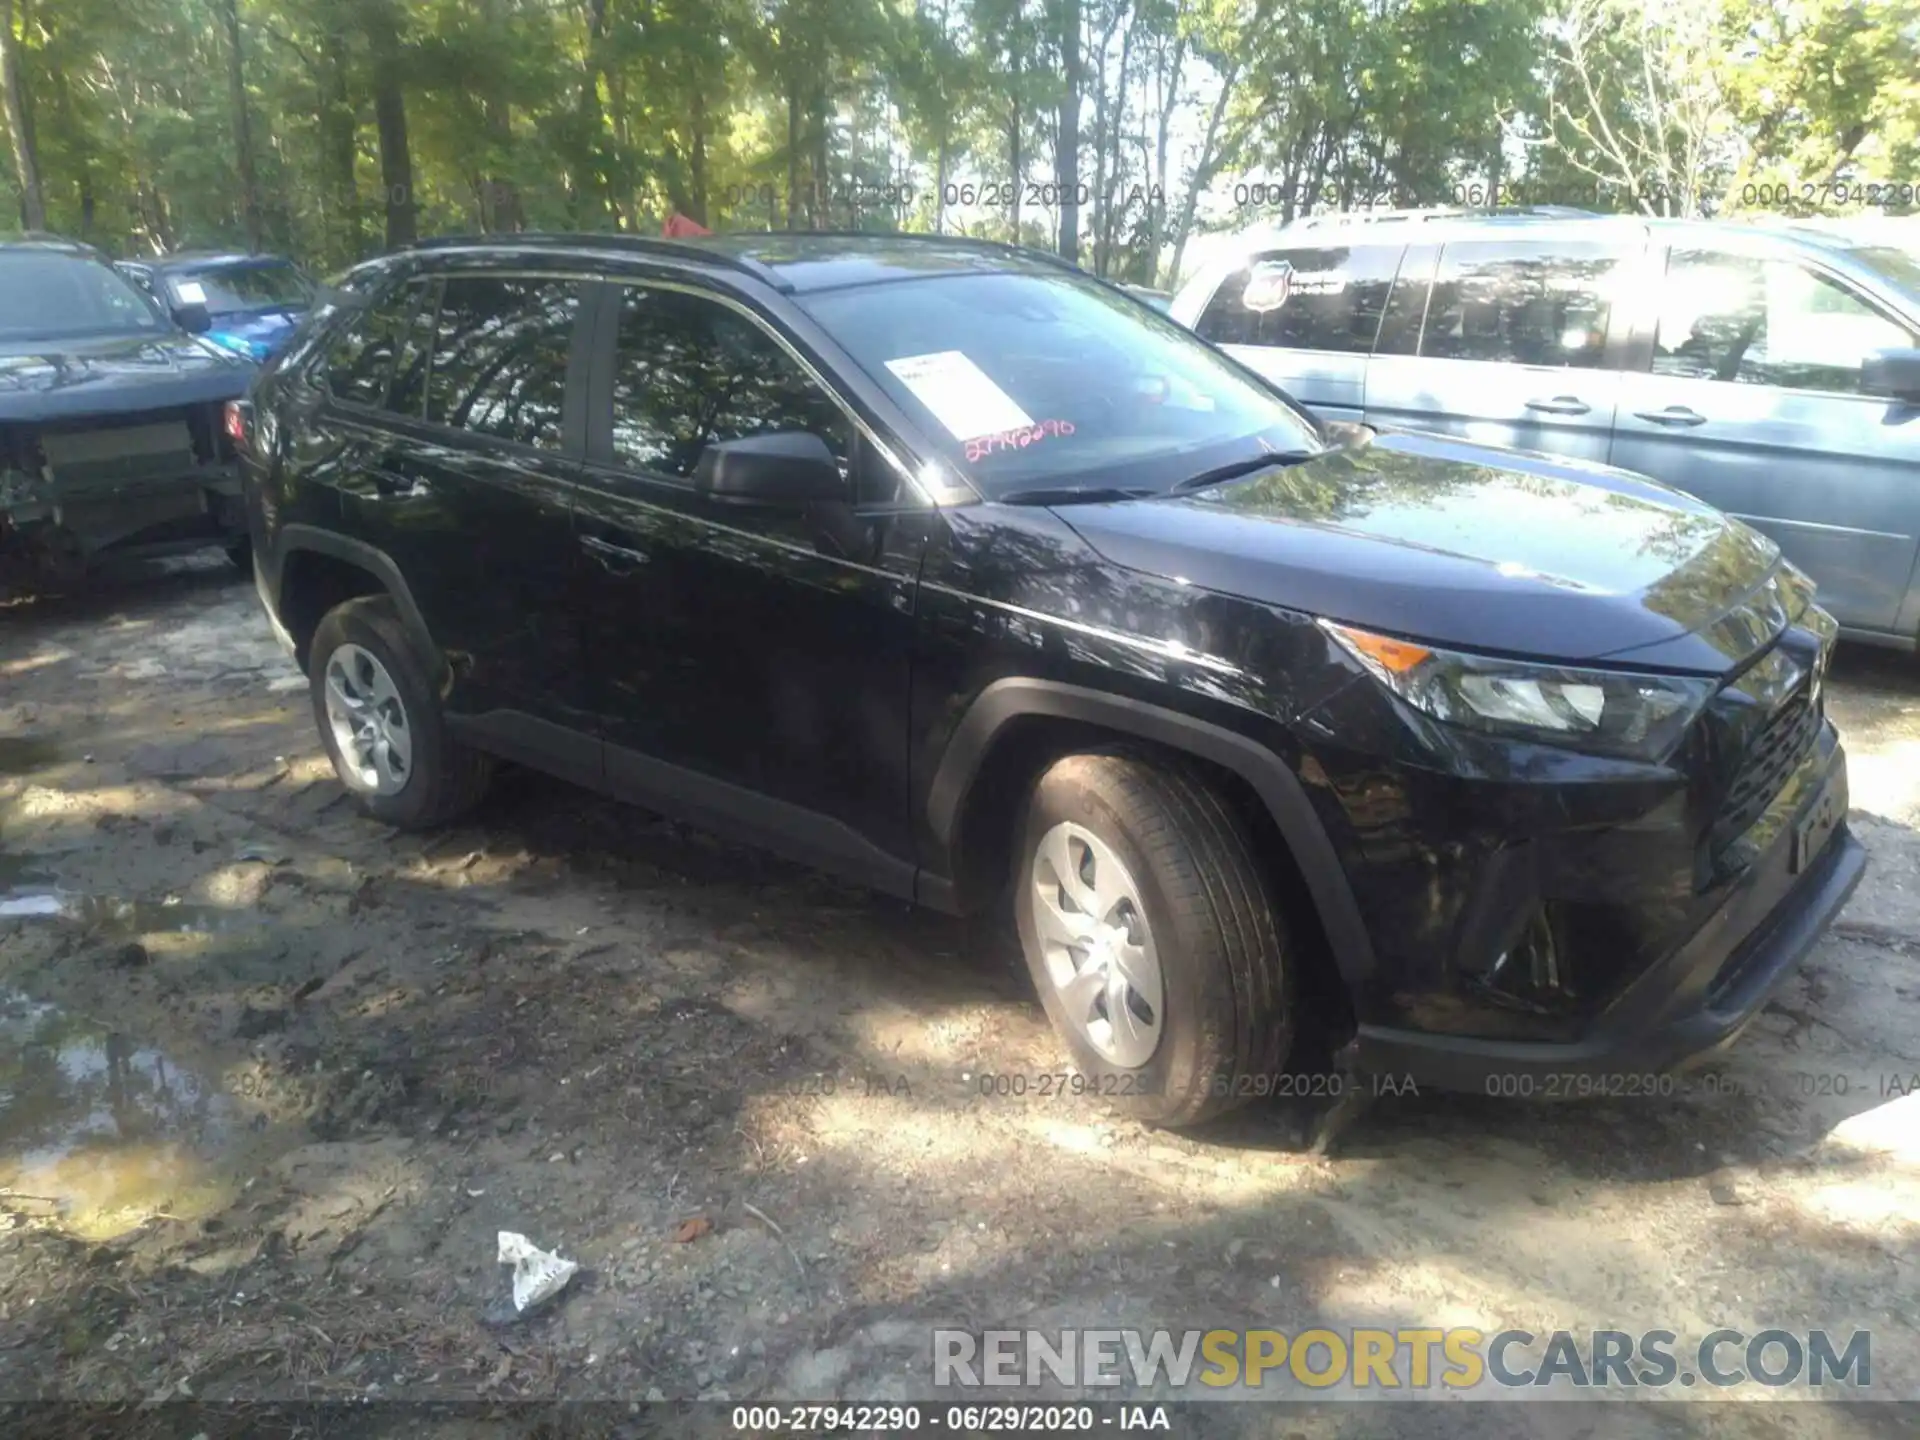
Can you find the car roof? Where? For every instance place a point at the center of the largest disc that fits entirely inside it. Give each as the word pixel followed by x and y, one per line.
pixel 1402 227
pixel 191 260
pixel 48 244
pixel 796 262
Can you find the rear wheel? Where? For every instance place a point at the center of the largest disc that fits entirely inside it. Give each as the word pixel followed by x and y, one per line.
pixel 382 724
pixel 1153 938
pixel 240 552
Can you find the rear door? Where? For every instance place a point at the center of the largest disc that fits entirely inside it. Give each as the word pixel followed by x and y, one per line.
pixel 468 487
pixel 1515 339
pixel 1747 394
pixel 1305 317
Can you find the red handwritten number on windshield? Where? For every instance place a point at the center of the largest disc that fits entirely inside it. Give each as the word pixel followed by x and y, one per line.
pixel 982 446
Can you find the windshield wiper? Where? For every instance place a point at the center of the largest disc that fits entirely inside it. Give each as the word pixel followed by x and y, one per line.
pixel 1222 473
pixel 1072 495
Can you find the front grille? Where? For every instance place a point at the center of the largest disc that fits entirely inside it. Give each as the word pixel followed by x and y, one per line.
pixel 1774 753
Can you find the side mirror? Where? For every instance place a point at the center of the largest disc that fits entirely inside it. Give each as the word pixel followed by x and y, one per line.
pixel 193 317
pixel 1893 373
pixel 788 467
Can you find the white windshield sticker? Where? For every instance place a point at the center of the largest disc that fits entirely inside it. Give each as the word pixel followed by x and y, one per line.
pixel 960 394
pixel 191 292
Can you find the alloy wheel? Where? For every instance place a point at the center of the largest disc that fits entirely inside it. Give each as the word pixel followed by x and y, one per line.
pixel 371 729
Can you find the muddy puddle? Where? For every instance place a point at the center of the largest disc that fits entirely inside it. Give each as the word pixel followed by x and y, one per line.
pixel 30 890
pixel 23 754
pixel 99 1132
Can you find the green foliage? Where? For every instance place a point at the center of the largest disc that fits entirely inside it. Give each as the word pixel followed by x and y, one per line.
pixel 858 113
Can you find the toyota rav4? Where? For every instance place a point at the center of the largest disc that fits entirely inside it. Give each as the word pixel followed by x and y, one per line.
pixel 948 567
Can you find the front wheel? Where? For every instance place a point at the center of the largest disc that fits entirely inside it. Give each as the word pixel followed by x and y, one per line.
pixel 381 722
pixel 1153 938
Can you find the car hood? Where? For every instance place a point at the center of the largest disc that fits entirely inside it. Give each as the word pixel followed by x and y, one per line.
pixel 113 374
pixel 1464 545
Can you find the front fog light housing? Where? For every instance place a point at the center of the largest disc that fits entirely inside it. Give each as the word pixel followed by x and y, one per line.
pixel 1606 712
pixel 1531 971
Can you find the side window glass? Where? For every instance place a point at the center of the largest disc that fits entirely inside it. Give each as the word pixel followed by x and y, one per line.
pixel 1525 302
pixel 500 347
pixel 1749 321
pixel 689 372
pixel 407 395
pixel 1407 305
pixel 359 362
pixel 1322 299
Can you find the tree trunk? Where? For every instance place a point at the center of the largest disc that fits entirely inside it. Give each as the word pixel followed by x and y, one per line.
pixel 1109 219
pixel 503 207
pixel 697 159
pixel 793 147
pixel 940 185
pixel 500 198
pixel 1101 122
pixel 26 163
pixel 337 141
pixel 242 127
pixel 820 196
pixel 390 121
pixel 1157 202
pixel 1067 147
pixel 1015 158
pixel 1203 169
pixel 590 119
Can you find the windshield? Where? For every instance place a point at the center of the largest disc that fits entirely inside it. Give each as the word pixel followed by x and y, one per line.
pixel 46 296
pixel 1056 380
pixel 1900 268
pixel 243 287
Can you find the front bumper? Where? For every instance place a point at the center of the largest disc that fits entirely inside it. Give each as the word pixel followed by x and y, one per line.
pixel 1681 1009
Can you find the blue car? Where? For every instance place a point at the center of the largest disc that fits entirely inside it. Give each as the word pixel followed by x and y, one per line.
pixel 252 302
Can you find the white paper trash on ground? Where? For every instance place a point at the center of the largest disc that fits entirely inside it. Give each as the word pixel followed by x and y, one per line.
pixel 537 1274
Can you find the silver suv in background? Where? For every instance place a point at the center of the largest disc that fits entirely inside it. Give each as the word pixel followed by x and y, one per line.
pixel 1770 371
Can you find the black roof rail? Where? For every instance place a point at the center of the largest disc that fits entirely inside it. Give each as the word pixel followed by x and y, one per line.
pixel 604 240
pixel 1048 257
pixel 1006 245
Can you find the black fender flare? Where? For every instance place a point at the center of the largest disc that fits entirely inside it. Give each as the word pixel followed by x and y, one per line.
pixel 375 562
pixel 1272 780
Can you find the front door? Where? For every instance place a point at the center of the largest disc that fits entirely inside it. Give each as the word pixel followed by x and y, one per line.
pixel 1752 402
pixel 751 662
pixel 1514 344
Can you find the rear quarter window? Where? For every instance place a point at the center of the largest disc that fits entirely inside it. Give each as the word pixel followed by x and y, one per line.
pixel 1327 298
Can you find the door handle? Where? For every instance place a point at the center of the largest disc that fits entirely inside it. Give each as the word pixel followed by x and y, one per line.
pixel 1672 415
pixel 617 559
pixel 1560 405
pixel 393 486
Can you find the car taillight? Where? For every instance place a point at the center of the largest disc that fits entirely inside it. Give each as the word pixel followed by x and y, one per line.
pixel 234 420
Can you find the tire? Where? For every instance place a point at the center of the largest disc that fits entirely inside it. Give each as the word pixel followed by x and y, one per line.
pixel 240 552
pixel 1224 963
pixel 441 778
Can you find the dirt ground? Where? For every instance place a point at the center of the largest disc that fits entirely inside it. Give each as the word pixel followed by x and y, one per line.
pixel 272 1078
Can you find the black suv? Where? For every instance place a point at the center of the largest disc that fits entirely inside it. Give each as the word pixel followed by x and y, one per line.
pixel 112 425
pixel 950 568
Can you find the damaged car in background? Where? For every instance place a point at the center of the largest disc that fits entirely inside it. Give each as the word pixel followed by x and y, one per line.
pixel 112 426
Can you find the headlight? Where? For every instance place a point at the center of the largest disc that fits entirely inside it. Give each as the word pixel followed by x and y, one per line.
pixel 1609 712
